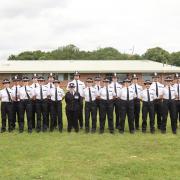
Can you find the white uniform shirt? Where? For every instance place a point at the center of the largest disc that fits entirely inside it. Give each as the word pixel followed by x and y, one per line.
pixel 103 93
pixel 139 90
pixel 14 92
pixel 94 94
pixel 60 94
pixel 50 85
pixel 4 95
pixel 160 88
pixel 97 87
pixel 123 93
pixel 34 85
pixel 22 93
pixel 45 92
pixel 144 95
pixel 81 86
pixel 117 86
pixel 166 92
pixel 177 88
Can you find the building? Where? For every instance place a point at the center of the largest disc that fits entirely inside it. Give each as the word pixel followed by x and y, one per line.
pixel 64 69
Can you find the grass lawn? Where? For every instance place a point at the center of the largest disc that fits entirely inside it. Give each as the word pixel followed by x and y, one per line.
pixel 89 156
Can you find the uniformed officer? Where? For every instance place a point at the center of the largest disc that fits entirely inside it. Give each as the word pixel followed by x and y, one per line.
pixel 90 94
pixel 169 94
pixel 34 85
pixel 79 87
pixel 158 87
pixel 148 95
pixel 26 94
pixel 6 106
pixel 116 102
pixel 73 104
pixel 15 91
pixel 177 88
pixel 127 96
pixel 50 85
pixel 137 105
pixel 41 95
pixel 56 95
pixel 97 86
pixel 106 96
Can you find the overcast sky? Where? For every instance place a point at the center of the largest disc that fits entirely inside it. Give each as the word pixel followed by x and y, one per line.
pixel 88 24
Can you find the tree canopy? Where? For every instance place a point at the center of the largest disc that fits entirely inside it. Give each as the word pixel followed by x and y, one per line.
pixel 108 53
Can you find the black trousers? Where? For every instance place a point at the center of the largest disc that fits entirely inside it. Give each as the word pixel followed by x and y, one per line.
pixel 148 108
pixel 178 110
pixel 98 108
pixel 49 112
pixel 33 114
pixel 137 105
pixel 116 107
pixel 80 116
pixel 72 119
pixel 90 110
pixel 25 106
pixel 169 106
pixel 127 108
pixel 6 114
pixel 56 115
pixel 158 111
pixel 15 114
pixel 106 108
pixel 41 109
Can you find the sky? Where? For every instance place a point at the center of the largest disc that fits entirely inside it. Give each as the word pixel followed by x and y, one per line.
pixel 88 24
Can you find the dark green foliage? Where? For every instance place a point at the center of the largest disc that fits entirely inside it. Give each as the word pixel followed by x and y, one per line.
pixel 72 52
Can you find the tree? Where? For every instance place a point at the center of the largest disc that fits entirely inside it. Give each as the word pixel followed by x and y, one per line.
pixel 175 58
pixel 157 54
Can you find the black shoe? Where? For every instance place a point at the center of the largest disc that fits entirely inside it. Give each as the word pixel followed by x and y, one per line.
pixel 174 132
pixel 101 131
pixel 44 130
pixel 152 131
pixel 87 131
pixel 111 131
pixel 132 132
pixel 3 130
pixel 137 128
pixel 93 131
pixel 38 130
pixel 29 131
pixel 21 131
pixel 10 130
pixel 143 131
pixel 163 131
pixel 121 131
pixel 81 127
pixel 60 130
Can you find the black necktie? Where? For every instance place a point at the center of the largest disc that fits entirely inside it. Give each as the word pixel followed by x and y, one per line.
pixel 27 93
pixel 157 94
pixel 50 85
pixel 115 88
pixel 56 97
pixel 169 93
pixel 128 94
pixel 136 90
pixel 41 93
pixel 98 88
pixel 90 97
pixel 77 87
pixel 148 95
pixel 16 94
pixel 107 93
pixel 35 85
pixel 178 91
pixel 9 97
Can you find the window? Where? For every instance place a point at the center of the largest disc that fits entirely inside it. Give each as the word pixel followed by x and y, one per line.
pixel 147 76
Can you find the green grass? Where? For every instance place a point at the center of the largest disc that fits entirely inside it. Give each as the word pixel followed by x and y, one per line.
pixel 89 156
